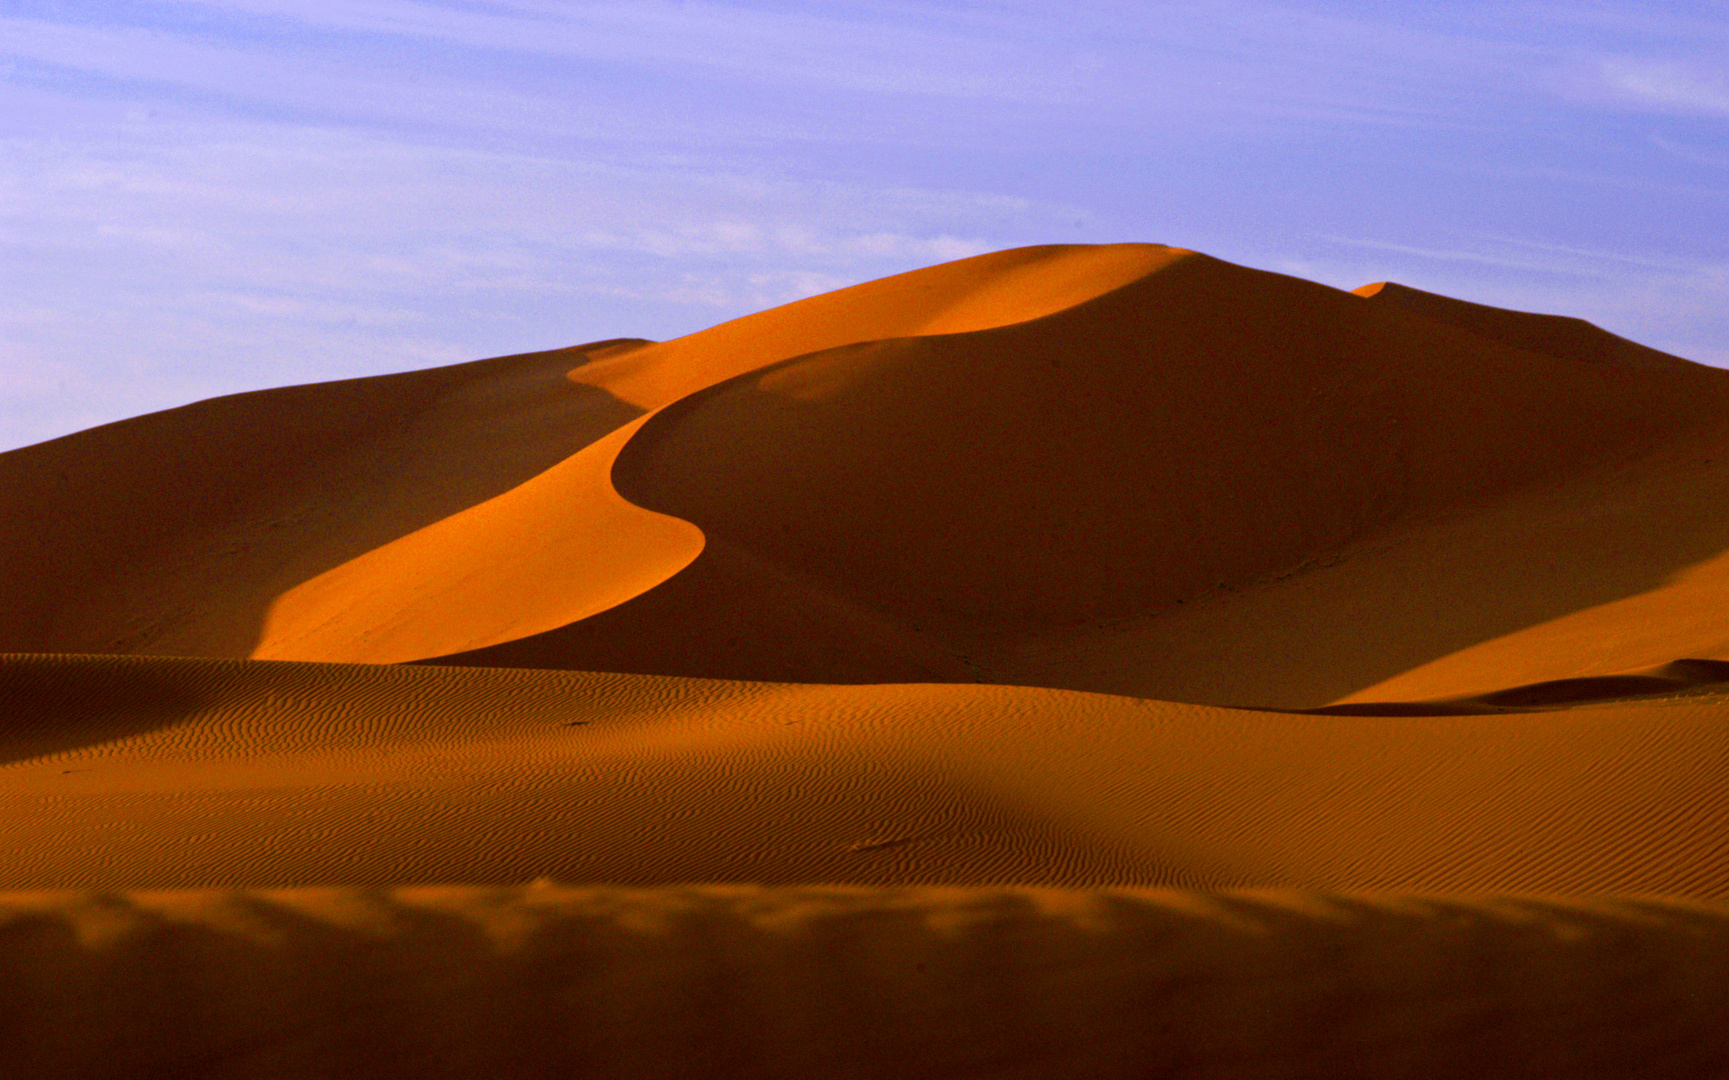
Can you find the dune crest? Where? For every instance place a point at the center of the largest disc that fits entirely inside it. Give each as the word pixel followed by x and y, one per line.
pixel 1550 335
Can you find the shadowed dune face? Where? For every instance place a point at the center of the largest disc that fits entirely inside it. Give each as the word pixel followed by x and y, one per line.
pixel 1570 578
pixel 1143 494
pixel 56 704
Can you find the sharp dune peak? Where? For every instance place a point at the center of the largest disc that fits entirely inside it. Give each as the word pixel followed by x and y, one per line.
pixel 1559 336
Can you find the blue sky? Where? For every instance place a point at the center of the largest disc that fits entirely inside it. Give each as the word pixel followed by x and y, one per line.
pixel 204 196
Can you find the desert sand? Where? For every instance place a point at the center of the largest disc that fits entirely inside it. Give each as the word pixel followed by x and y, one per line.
pixel 1069 661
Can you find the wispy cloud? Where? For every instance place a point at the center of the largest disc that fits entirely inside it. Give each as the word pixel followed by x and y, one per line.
pixel 560 67
pixel 1463 255
pixel 1668 84
pixel 1515 253
pixel 1597 255
pixel 186 258
pixel 211 195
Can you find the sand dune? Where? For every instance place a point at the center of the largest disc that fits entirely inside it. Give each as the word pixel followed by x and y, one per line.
pixel 1128 469
pixel 175 532
pixel 388 520
pixel 833 659
pixel 1550 335
pixel 551 981
pixel 1123 496
pixel 262 774
pixel 1203 429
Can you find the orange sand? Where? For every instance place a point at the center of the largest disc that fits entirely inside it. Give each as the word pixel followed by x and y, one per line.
pixel 973 590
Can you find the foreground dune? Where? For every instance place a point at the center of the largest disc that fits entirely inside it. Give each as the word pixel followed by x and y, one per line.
pixel 177 773
pixel 1070 661
pixel 551 981
pixel 139 773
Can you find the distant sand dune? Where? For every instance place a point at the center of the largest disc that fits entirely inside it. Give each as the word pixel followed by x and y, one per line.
pixel 1550 335
pixel 1212 485
pixel 175 532
pixel 1675 679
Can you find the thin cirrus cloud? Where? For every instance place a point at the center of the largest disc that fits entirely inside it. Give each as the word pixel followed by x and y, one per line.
pixel 1668 85
pixel 201 196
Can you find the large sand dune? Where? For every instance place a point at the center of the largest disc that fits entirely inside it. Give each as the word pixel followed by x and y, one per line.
pixel 912 614
pixel 1126 469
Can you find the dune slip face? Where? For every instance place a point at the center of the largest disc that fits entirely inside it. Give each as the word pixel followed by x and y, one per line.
pixel 1070 661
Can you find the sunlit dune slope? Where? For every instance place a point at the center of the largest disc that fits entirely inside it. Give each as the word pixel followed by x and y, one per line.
pixel 174 532
pixel 564 546
pixel 469 505
pixel 141 772
pixel 541 981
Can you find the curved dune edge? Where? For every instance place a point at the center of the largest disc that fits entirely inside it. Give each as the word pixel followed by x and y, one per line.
pixel 548 980
pixel 565 545
pixel 253 774
pixel 1150 493
pixel 553 550
pixel 1678 678
pixel 172 533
